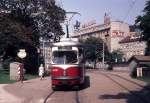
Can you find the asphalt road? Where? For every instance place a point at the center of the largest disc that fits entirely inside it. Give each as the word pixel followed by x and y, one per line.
pixel 101 87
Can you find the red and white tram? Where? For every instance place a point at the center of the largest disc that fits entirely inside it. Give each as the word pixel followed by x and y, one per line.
pixel 67 63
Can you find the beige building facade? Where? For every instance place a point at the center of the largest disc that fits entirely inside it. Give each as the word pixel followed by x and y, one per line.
pixel 117 35
pixel 111 32
pixel 132 45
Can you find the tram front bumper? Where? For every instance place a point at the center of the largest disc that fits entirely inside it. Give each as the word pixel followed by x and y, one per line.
pixel 65 80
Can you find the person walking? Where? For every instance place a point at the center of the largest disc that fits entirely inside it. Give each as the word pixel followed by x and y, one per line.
pixel 41 71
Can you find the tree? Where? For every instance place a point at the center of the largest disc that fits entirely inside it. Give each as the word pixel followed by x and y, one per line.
pixel 94 49
pixel 45 14
pixel 22 22
pixel 116 56
pixel 143 22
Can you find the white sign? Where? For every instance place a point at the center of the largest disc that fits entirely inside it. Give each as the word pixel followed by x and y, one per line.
pixel 22 53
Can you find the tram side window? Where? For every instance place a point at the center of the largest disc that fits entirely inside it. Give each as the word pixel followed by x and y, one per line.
pixel 64 57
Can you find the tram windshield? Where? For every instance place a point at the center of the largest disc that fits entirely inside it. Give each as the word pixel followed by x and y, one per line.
pixel 64 57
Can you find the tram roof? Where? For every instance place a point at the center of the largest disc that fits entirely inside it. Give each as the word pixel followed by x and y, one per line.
pixel 68 42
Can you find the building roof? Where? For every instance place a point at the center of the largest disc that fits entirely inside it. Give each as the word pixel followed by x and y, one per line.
pixel 68 42
pixel 140 58
pixel 129 39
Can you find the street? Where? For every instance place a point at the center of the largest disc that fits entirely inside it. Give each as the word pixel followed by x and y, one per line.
pixel 101 87
pixel 101 48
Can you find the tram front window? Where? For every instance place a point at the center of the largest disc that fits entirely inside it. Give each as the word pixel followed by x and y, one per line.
pixel 64 57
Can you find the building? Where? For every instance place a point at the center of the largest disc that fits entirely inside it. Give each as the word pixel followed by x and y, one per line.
pixel 111 32
pixel 132 45
pixel 139 65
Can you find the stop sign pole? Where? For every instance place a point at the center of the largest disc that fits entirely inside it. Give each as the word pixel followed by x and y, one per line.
pixel 21 54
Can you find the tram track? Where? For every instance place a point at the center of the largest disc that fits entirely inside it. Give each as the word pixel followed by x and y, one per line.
pixel 133 82
pixel 76 98
pixel 48 96
pixel 138 96
pixel 128 80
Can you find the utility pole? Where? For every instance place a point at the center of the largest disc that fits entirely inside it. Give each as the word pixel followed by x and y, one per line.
pixel 104 41
pixel 103 53
pixel 67 30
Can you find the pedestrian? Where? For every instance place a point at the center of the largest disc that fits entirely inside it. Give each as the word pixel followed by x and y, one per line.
pixel 41 71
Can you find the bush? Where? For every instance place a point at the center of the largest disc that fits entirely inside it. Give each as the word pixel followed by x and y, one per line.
pixel 6 63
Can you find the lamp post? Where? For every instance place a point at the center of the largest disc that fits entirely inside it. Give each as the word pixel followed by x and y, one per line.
pixel 21 54
pixel 67 29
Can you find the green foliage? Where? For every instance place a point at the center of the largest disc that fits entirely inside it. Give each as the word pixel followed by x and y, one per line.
pixel 94 49
pixel 23 22
pixel 144 23
pixel 4 78
pixel 116 56
pixel 6 63
pixel 13 35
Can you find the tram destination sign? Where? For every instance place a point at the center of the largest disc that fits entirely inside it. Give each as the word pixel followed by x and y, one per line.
pixel 65 47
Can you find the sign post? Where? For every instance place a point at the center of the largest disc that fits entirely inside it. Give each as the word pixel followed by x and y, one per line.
pixel 21 54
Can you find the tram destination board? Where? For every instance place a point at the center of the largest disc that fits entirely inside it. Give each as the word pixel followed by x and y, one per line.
pixel 65 47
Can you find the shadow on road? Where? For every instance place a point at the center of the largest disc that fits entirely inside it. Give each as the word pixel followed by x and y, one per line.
pixel 86 83
pixel 141 96
pixel 75 88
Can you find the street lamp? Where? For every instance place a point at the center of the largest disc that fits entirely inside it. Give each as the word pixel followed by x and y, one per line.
pixel 21 54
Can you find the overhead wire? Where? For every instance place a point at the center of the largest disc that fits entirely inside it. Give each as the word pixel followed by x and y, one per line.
pixel 61 4
pixel 129 10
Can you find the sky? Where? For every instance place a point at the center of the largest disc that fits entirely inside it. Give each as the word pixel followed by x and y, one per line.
pixel 123 10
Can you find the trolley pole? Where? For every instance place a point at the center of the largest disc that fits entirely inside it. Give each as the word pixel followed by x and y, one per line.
pixel 67 29
pixel 67 24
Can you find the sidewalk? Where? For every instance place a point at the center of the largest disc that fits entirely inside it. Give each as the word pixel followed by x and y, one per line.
pixel 30 91
pixel 6 97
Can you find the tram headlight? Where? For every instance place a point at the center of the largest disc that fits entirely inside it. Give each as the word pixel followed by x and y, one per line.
pixel 55 70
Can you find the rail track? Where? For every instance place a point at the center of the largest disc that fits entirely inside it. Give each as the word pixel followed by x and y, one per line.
pixel 52 93
pixel 133 82
pixel 138 96
pixel 48 96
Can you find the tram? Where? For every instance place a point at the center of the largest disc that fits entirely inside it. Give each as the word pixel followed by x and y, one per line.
pixel 67 63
